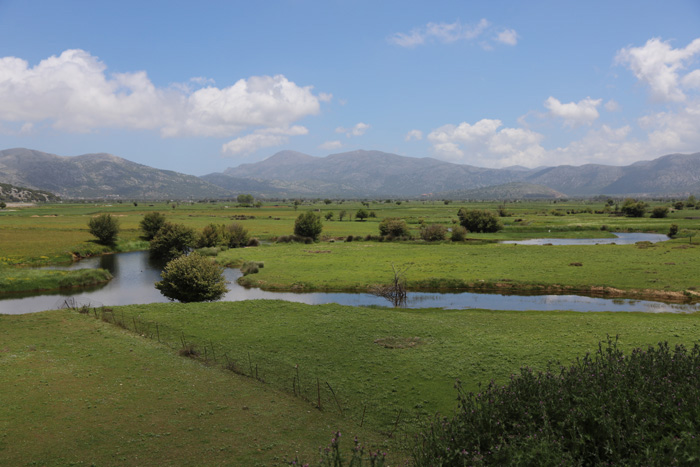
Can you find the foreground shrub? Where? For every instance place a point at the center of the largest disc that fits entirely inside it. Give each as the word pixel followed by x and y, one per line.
pixel 477 220
pixel 210 236
pixel 172 240
pixel 433 232
pixel 151 224
pixel 105 227
pixel 639 409
pixel 192 278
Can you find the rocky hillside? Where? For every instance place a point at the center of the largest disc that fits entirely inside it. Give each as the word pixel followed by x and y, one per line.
pixel 15 194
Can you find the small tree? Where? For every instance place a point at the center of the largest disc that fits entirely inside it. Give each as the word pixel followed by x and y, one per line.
pixel 327 201
pixel 394 227
pixel 459 233
pixel 151 224
pixel 2 205
pixel 309 225
pixel 210 236
pixel 633 208
pixel 477 220
pixel 342 214
pixel 245 199
pixel 672 231
pixel 192 278
pixel 236 235
pixel 329 216
pixel 394 292
pixel 172 240
pixel 105 228
pixel 433 232
pixel 361 214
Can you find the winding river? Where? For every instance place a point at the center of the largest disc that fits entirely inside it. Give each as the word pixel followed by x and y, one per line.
pixel 134 275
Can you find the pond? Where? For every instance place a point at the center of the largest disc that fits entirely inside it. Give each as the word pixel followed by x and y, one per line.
pixel 134 275
pixel 620 239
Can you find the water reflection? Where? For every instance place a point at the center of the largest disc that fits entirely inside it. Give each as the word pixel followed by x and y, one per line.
pixel 621 239
pixel 135 273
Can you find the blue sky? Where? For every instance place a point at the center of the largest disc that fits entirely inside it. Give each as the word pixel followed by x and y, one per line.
pixel 200 86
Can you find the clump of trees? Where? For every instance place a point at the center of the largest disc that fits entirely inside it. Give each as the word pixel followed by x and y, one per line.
pixel 172 240
pixel 478 220
pixel 245 200
pixel 192 278
pixel 105 227
pixel 659 212
pixel 309 225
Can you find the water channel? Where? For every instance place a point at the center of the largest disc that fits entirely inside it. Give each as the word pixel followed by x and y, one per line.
pixel 134 275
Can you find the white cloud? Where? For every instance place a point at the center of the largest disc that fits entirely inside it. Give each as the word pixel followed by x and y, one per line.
pixel 331 145
pixel 358 130
pixel 484 144
pixel 692 80
pixel 657 64
pixel 73 92
pixel 263 138
pixel 440 32
pixel 325 96
pixel 612 106
pixel 583 112
pixel 414 135
pixel 508 37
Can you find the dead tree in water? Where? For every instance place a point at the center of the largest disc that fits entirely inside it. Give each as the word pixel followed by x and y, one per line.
pixel 394 292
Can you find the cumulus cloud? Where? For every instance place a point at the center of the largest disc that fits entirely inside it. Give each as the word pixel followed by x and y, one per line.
pixel 583 112
pixel 358 130
pixel 414 135
pixel 440 32
pixel 508 37
pixel 658 65
pixel 486 143
pixel 73 92
pixel 331 145
pixel 263 138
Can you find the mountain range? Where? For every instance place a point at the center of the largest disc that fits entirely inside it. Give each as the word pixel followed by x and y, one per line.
pixel 356 174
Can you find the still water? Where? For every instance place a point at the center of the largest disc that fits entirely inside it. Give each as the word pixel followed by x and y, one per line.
pixel 621 239
pixel 134 275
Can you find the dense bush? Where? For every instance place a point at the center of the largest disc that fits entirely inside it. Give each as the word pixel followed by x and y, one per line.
pixel 236 236
pixel 172 240
pixel 309 225
pixel 210 236
pixel 361 214
pixel 633 208
pixel 151 224
pixel 192 278
pixel 605 409
pixel 659 212
pixel 393 226
pixel 672 231
pixel 105 227
pixel 433 232
pixel 477 220
pixel 459 233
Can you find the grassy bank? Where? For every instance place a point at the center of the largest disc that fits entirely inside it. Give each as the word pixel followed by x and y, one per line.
pixel 29 280
pixel 384 364
pixel 662 267
pixel 116 398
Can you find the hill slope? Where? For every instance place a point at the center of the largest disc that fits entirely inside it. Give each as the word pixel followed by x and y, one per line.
pixel 99 176
pixel 26 195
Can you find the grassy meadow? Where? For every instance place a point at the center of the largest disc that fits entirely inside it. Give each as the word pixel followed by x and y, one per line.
pixel 114 387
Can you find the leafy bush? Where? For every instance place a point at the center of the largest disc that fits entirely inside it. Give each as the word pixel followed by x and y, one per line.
pixel 361 214
pixel 210 236
pixel 151 224
pixel 459 233
pixel 105 227
pixel 477 220
pixel 192 278
pixel 633 208
pixel 433 232
pixel 672 231
pixel 394 227
pixel 659 212
pixel 251 267
pixel 236 236
pixel 309 225
pixel 639 409
pixel 172 240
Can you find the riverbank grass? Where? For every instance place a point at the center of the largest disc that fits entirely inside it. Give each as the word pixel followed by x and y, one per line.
pixel 13 280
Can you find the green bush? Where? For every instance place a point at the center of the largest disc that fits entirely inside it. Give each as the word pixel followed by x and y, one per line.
pixel 236 235
pixel 394 227
pixel 151 224
pixel 672 231
pixel 309 225
pixel 433 232
pixel 105 227
pixel 659 212
pixel 210 236
pixel 606 409
pixel 172 240
pixel 477 220
pixel 633 208
pixel 459 233
pixel 361 214
pixel 192 278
